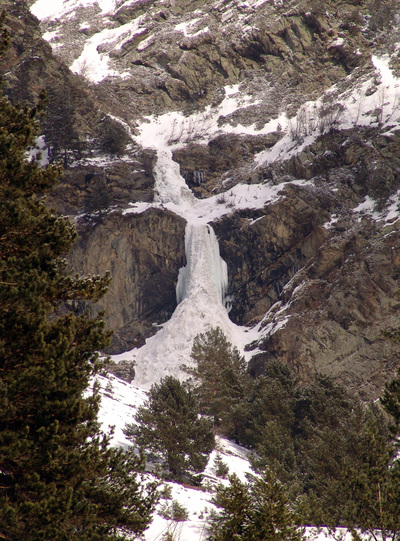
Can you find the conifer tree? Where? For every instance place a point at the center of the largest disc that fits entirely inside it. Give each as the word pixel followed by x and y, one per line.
pixel 170 427
pixel 56 470
pixel 61 136
pixel 270 416
pixel 219 380
pixel 259 510
pixel 391 401
pixel 372 488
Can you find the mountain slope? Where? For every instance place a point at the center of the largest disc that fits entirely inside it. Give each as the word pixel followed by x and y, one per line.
pixel 295 99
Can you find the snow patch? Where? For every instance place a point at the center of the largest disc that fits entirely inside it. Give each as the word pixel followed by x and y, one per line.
pixel 43 9
pixel 119 403
pixel 94 65
pixel 40 151
pixel 185 26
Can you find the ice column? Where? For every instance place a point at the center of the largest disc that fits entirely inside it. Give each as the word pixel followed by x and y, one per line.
pixel 205 270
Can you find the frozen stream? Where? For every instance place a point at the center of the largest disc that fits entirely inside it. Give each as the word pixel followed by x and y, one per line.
pixel 201 286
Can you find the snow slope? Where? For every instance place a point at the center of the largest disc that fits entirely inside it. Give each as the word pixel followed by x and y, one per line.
pixel 119 402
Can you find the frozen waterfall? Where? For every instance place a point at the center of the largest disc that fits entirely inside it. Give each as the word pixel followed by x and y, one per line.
pixel 170 186
pixel 200 290
pixel 204 264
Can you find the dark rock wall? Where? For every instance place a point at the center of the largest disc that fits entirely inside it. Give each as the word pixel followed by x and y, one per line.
pixel 144 253
pixel 265 249
pixel 338 307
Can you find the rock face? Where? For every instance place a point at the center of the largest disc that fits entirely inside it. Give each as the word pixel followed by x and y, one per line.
pixel 319 275
pixel 264 251
pixel 179 54
pixel 331 316
pixel 92 187
pixel 323 292
pixel 205 166
pixel 144 253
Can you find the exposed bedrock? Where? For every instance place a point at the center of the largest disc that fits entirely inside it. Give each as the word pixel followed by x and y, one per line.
pixel 325 293
pixel 265 248
pixel 94 187
pixel 331 316
pixel 144 253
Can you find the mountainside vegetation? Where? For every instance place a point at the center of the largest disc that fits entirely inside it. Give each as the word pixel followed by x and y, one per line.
pixel 58 477
pixel 258 509
pixel 168 425
pixel 335 455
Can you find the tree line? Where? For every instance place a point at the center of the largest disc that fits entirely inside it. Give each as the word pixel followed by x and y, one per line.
pixel 321 457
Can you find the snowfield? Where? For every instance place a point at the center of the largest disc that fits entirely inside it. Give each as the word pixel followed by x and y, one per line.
pixel 119 402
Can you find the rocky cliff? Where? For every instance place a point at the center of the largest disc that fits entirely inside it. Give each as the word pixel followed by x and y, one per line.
pixel 144 253
pixel 298 97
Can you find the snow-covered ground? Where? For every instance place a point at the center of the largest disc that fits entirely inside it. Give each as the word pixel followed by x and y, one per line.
pixel 43 9
pixel 119 402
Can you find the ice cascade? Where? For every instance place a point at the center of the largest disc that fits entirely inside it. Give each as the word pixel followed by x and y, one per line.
pixel 200 290
pixel 204 265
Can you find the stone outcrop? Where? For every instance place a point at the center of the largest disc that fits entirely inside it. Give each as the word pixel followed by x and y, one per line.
pixel 369 159
pixel 203 166
pixel 144 253
pixel 332 315
pixel 265 249
pixel 124 370
pixel 89 187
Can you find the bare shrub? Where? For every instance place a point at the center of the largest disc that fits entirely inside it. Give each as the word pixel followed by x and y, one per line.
pixel 84 69
pixel 189 129
pixel 329 116
pixel 316 118
pixel 221 199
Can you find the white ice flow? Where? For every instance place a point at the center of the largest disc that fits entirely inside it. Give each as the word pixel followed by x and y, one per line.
pixel 201 286
pixel 203 259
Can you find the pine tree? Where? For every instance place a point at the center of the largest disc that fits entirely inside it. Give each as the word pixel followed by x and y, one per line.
pixel 59 125
pixel 259 510
pixel 99 201
pixel 270 416
pixel 391 401
pixel 372 488
pixel 56 477
pixel 219 380
pixel 170 427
